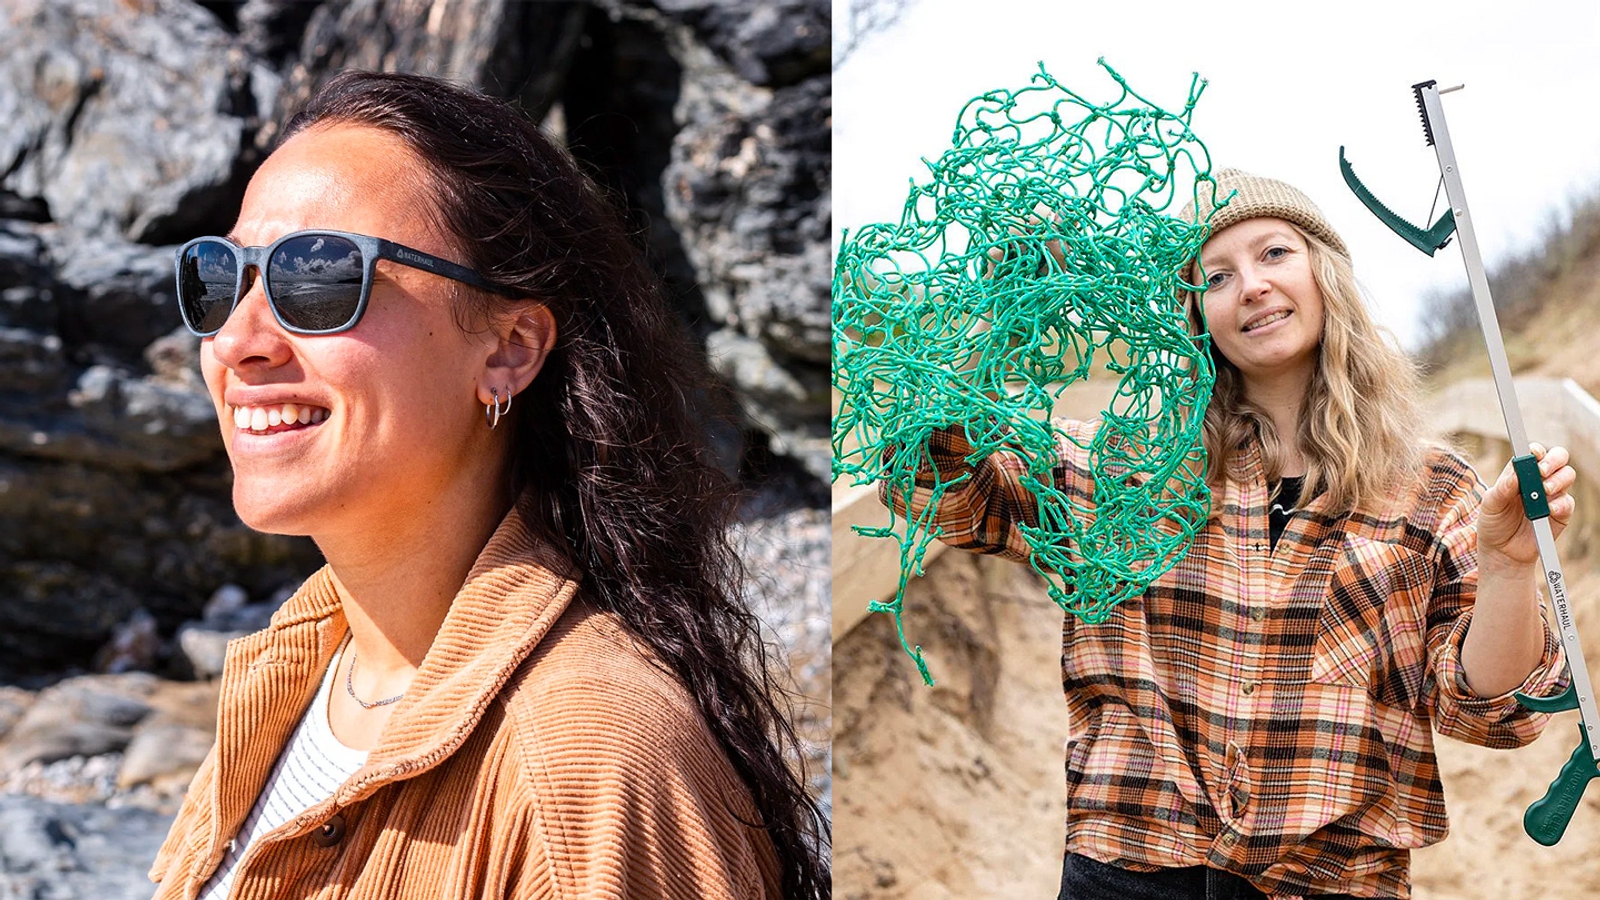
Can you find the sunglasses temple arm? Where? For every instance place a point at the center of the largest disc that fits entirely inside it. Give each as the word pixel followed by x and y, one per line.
pixel 427 262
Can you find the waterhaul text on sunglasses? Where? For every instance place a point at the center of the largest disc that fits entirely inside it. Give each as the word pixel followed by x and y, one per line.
pixel 317 282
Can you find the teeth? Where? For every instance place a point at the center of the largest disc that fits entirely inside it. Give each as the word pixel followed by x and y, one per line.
pixel 1268 320
pixel 260 418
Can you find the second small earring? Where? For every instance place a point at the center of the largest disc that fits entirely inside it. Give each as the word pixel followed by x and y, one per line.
pixel 493 411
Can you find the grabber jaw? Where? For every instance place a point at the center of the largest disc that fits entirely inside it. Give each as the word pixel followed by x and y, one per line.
pixel 1546 819
pixel 1428 241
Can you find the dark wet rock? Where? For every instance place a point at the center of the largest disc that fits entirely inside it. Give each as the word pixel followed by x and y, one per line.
pixel 28 287
pixel 772 44
pixel 25 209
pixel 779 398
pixel 45 611
pixel 103 543
pixel 31 363
pixel 725 160
pixel 115 418
pixel 272 29
pixel 56 851
pixel 119 296
pixel 504 47
pixel 127 118
pixel 752 192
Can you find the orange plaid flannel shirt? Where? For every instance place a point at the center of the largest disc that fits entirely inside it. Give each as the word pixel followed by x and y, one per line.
pixel 1266 712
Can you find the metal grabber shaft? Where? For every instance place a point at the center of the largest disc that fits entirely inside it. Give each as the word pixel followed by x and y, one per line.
pixel 1546 819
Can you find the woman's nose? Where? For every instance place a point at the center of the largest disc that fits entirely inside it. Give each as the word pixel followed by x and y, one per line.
pixel 251 336
pixel 1252 284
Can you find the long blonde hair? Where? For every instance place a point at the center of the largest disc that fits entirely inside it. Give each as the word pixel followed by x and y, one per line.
pixel 1360 420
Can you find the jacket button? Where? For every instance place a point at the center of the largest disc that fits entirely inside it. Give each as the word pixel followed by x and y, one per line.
pixel 330 832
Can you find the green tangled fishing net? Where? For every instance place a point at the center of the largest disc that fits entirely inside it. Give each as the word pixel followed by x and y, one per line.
pixel 1046 243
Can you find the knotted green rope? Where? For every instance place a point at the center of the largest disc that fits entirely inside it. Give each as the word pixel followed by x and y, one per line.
pixel 1041 245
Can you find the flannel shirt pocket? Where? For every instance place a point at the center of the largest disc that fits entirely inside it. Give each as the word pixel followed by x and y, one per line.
pixel 1372 628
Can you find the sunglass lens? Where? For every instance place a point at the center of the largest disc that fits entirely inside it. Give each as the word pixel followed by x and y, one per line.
pixel 315 282
pixel 208 272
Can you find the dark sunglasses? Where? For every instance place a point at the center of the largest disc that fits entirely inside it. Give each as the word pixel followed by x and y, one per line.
pixel 317 282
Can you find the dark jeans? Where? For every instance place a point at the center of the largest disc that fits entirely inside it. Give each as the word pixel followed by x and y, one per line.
pixel 1083 878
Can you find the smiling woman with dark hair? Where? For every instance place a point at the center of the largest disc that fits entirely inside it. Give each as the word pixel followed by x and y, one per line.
pixel 526 670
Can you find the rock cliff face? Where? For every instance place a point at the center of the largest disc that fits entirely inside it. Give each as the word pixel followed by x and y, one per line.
pixel 127 126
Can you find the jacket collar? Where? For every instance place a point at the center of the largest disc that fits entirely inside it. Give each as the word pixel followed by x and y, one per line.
pixel 513 594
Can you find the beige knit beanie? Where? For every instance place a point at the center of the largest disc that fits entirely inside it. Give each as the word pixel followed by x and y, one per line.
pixel 1257 197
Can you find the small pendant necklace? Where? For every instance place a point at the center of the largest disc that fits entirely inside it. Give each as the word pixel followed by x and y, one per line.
pixel 350 687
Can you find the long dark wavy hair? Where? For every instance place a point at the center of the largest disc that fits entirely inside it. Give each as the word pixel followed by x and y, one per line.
pixel 611 459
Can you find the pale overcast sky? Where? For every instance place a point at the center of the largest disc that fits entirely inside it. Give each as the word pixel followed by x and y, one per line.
pixel 1288 84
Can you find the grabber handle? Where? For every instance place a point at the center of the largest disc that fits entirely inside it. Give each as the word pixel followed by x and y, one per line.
pixel 1567 699
pixel 1546 820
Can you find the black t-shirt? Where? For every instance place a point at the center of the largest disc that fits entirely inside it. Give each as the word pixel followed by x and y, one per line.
pixel 1284 506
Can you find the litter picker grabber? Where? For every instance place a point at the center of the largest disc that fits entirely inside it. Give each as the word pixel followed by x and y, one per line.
pixel 1547 818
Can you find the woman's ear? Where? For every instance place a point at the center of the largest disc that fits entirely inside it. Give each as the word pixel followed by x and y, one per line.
pixel 522 343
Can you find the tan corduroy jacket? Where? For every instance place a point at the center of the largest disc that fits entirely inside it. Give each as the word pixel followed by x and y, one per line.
pixel 538 753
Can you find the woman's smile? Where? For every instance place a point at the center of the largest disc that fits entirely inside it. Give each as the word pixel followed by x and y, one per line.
pixel 1264 322
pixel 277 418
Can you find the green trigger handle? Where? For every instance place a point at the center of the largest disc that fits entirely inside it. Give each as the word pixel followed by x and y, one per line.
pixel 1435 238
pixel 1546 820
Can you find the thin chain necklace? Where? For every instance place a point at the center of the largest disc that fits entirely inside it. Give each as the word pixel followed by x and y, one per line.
pixel 350 687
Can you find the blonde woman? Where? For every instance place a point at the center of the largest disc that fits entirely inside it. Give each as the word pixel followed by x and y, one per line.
pixel 1259 722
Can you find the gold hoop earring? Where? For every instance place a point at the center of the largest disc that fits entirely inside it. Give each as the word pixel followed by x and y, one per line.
pixel 493 411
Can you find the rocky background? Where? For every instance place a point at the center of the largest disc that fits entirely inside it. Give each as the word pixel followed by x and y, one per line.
pixel 129 126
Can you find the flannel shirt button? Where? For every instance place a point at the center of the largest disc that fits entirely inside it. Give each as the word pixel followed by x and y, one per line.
pixel 1249 688
pixel 330 832
pixel 1257 614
